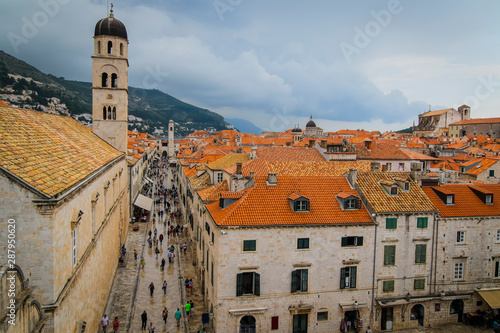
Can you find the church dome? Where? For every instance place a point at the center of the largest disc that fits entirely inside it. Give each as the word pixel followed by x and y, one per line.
pixel 311 123
pixel 110 26
pixel 296 130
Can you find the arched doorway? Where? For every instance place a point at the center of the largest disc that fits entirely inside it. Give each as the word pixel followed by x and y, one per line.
pixel 457 306
pixel 247 324
pixel 417 313
pixel 164 154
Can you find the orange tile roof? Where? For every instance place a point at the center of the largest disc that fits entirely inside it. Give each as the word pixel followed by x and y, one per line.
pixel 49 152
pixel 417 156
pixel 257 140
pixel 331 168
pixel 482 165
pixel 413 200
pixel 228 160
pixel 466 202
pixel 380 151
pixel 263 205
pixel 435 113
pixel 289 154
pixel 477 121
pixel 199 182
pixel 212 193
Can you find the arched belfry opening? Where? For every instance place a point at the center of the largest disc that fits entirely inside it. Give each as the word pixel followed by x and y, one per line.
pixel 114 80
pixel 104 79
pixel 110 47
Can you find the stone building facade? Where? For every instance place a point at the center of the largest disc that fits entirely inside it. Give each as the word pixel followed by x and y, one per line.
pixel 435 123
pixel 478 126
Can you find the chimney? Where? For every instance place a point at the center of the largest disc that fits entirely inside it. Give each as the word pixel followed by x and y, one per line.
pixel 416 173
pixel 272 178
pixel 311 143
pixel 253 154
pixel 252 173
pixel 353 176
pixel 375 166
pixel 238 168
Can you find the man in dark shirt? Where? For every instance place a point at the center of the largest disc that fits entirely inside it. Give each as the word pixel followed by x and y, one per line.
pixel 144 318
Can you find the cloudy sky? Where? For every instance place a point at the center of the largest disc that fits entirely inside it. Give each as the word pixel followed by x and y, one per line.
pixel 350 64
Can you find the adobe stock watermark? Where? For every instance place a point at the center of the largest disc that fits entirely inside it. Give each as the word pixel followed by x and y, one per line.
pixel 371 30
pixel 278 121
pixel 223 6
pixel 484 89
pixel 31 26
pixel 154 77
pixel 11 278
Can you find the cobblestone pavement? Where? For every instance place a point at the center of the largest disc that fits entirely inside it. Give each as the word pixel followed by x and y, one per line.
pixel 453 328
pixel 130 294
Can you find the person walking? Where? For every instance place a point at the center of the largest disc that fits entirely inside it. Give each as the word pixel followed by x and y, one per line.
pixel 186 283
pixel 169 257
pixel 144 319
pixel 157 251
pixel 116 324
pixel 104 323
pixel 162 264
pixel 178 317
pixel 161 239
pixel 188 308
pixel 151 328
pixel 151 288
pixel 190 286
pixel 135 254
pixel 165 315
pixel 143 263
pixel 164 287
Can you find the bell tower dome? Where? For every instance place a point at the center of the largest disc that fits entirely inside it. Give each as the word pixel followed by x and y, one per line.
pixel 110 82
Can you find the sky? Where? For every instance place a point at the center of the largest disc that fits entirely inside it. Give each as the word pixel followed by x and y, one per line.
pixel 366 64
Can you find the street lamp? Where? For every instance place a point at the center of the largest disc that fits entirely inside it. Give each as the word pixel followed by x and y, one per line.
pixel 211 316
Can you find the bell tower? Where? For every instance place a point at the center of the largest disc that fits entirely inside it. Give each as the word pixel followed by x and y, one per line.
pixel 110 82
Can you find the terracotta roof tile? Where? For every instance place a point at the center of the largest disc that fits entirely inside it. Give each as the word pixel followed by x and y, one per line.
pixel 212 193
pixel 466 202
pixel 289 154
pixel 50 152
pixel 263 205
pixel 228 160
pixel 413 200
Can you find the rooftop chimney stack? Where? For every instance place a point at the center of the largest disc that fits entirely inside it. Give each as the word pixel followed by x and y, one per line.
pixel 272 178
pixel 375 166
pixel 353 177
pixel 238 168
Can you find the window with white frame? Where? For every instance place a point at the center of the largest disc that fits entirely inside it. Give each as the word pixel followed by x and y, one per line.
pixel 219 177
pixel 459 271
pixel 498 235
pixel 461 237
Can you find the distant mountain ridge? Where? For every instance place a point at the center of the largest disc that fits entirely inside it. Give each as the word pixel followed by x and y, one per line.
pixel 156 108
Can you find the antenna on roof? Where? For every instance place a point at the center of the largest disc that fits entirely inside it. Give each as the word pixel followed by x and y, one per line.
pixel 429 107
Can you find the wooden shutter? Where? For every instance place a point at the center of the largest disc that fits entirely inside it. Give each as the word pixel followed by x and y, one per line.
pixel 256 277
pixel 344 241
pixel 304 280
pixel 342 278
pixel 239 284
pixel 275 323
pixel 360 241
pixel 353 277
pixel 294 281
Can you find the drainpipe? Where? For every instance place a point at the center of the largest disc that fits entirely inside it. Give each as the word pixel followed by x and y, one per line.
pixel 373 276
pixel 437 237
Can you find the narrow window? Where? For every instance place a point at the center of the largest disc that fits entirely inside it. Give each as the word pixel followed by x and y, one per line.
pixel 420 253
pixel 498 235
pixel 104 112
pixel 74 247
pixel 388 286
pixel 114 80
pixel 488 199
pixel 275 322
pixel 302 243
pixel 249 245
pixel 389 255
pixel 497 269
pixel 104 79
pixel 461 237
pixel 110 47
pixel 449 199
pixel 459 271
pixel 98 47
pixel 348 277
pixel 299 280
pixel 109 112
pixel 219 177
pixel 114 112
pixel 422 222
pixel 212 274
pixel 121 49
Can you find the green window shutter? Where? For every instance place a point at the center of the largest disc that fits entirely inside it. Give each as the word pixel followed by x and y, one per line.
pixel 257 284
pixel 294 281
pixel 239 284
pixel 304 279
pixel 422 222
pixel 391 223
pixel 342 278
pixel 492 173
pixel 388 286
pixel 360 241
pixel 344 241
pixel 420 253
pixel 389 254
pixel 419 284
pixel 353 277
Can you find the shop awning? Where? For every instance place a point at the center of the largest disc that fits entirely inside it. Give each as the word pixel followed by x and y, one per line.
pixel 383 303
pixel 492 297
pixel 149 180
pixel 143 202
